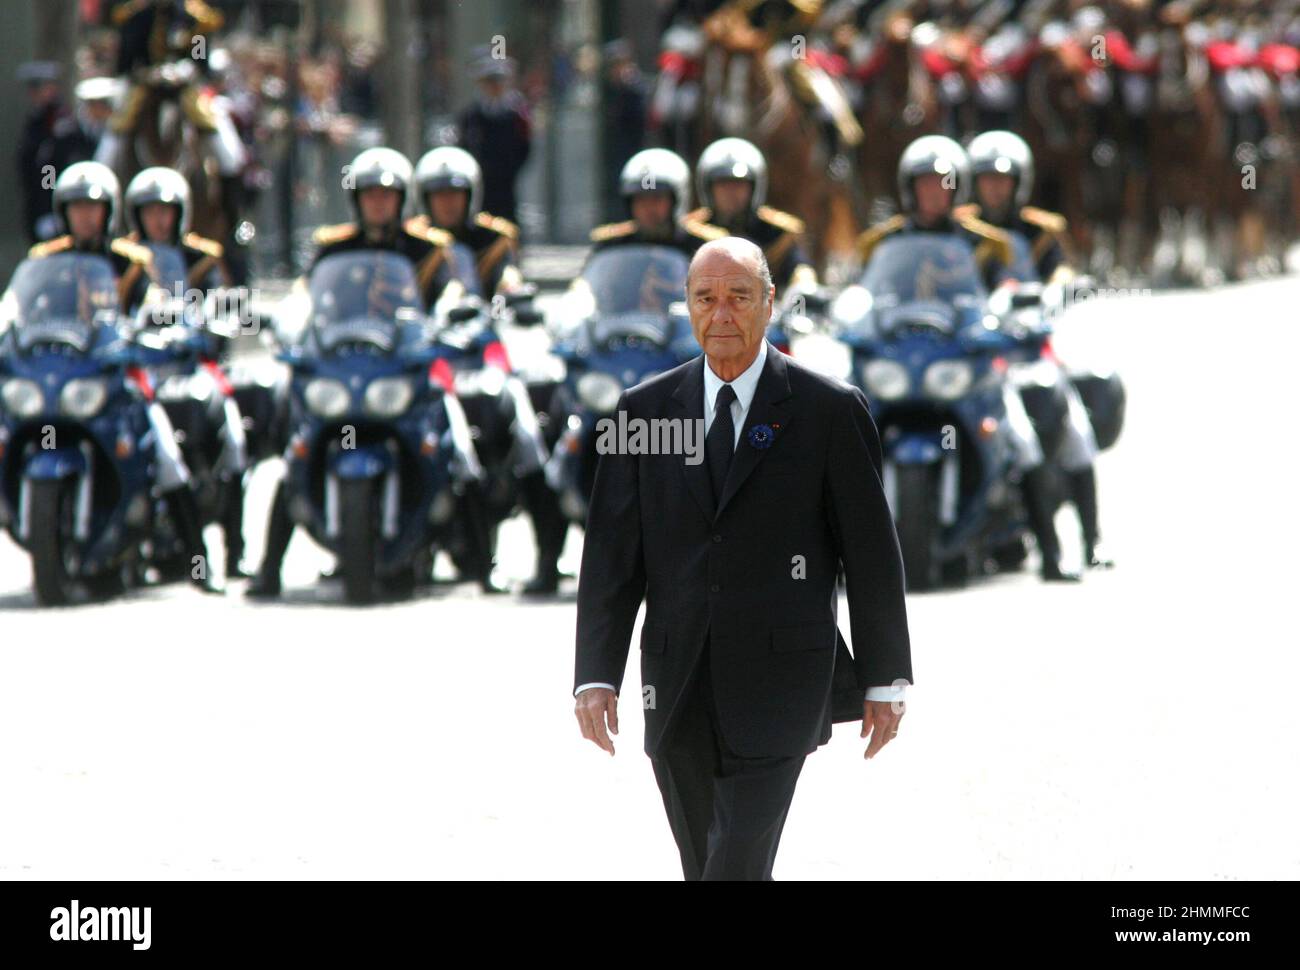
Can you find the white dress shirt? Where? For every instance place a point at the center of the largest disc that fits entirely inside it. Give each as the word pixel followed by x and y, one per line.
pixel 745 385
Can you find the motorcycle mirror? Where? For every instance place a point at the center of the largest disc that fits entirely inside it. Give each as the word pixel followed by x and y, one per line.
pixel 521 295
pixel 460 314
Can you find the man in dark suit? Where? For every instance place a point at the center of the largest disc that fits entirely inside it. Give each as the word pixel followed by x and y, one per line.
pixel 736 557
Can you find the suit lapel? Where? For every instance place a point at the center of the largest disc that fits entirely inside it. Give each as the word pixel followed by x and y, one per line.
pixel 690 397
pixel 771 406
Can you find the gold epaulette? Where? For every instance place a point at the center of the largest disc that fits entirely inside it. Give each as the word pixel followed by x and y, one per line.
pixel 995 243
pixel 132 251
pixel 782 220
pixel 416 225
pixel 50 247
pixel 613 230
pixel 869 239
pixel 702 214
pixel 704 230
pixel 502 227
pixel 1052 222
pixel 971 210
pixel 439 237
pixel 209 247
pixel 124 12
pixel 325 235
pixel 207 18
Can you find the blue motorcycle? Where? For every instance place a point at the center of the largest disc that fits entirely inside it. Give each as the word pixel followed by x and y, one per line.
pixel 76 447
pixel 932 361
pixel 375 443
pixel 182 339
pixel 623 321
pixel 507 437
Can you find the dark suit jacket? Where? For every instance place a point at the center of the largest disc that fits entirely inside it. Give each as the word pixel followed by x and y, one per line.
pixel 815 492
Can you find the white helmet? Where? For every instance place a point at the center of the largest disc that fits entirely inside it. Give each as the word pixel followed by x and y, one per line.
pixel 731 158
pixel 657 170
pixel 1006 153
pixel 933 155
pixel 158 184
pixel 87 180
pixel 386 167
pixel 449 167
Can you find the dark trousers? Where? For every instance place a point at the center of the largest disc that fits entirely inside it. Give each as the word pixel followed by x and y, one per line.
pixel 726 812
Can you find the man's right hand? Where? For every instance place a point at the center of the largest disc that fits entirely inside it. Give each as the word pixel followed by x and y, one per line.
pixel 594 705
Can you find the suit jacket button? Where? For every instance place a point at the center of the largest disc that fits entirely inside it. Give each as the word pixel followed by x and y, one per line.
pixel 715 587
pixel 717 538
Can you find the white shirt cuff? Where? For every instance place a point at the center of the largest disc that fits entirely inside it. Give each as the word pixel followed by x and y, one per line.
pixel 583 687
pixel 887 693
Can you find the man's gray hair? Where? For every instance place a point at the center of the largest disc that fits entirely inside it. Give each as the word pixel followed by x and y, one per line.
pixel 742 251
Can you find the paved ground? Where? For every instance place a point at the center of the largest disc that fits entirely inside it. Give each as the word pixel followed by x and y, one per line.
pixel 1144 725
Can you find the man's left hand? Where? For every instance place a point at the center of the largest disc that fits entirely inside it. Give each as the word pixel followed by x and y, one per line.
pixel 880 719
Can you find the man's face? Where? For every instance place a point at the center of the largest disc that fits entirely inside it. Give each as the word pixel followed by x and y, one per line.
pixel 99 111
pixel 994 191
pixel 448 207
pixel 731 197
pixel 86 219
pixel 933 198
pixel 728 312
pixel 379 205
pixel 652 210
pixel 158 219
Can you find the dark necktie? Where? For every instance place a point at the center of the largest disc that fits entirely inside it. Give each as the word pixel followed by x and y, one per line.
pixel 720 442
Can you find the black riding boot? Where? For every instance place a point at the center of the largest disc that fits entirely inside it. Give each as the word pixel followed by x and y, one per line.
pixel 1083 492
pixel 232 527
pixel 549 529
pixel 279 531
pixel 184 510
pixel 482 555
pixel 1039 507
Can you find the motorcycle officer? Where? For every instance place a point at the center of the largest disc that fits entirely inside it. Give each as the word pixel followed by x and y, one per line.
pixel 731 181
pixel 1004 176
pixel 933 178
pixel 378 181
pixel 450 186
pixel 656 185
pixel 158 208
pixel 86 199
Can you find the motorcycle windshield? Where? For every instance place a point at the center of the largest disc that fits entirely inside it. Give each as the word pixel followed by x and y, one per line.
pixel 916 267
pixel 465 268
pixel 1022 266
pixel 634 289
pixel 169 268
pixel 362 297
pixel 62 299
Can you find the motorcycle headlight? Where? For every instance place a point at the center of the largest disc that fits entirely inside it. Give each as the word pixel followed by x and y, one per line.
pixel 326 397
pixel 388 397
pixel 600 392
pixel 948 379
pixel 22 397
pixel 83 397
pixel 885 379
pixel 853 303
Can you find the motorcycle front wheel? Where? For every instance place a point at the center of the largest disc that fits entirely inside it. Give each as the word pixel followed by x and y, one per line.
pixel 358 513
pixel 918 525
pixel 51 510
